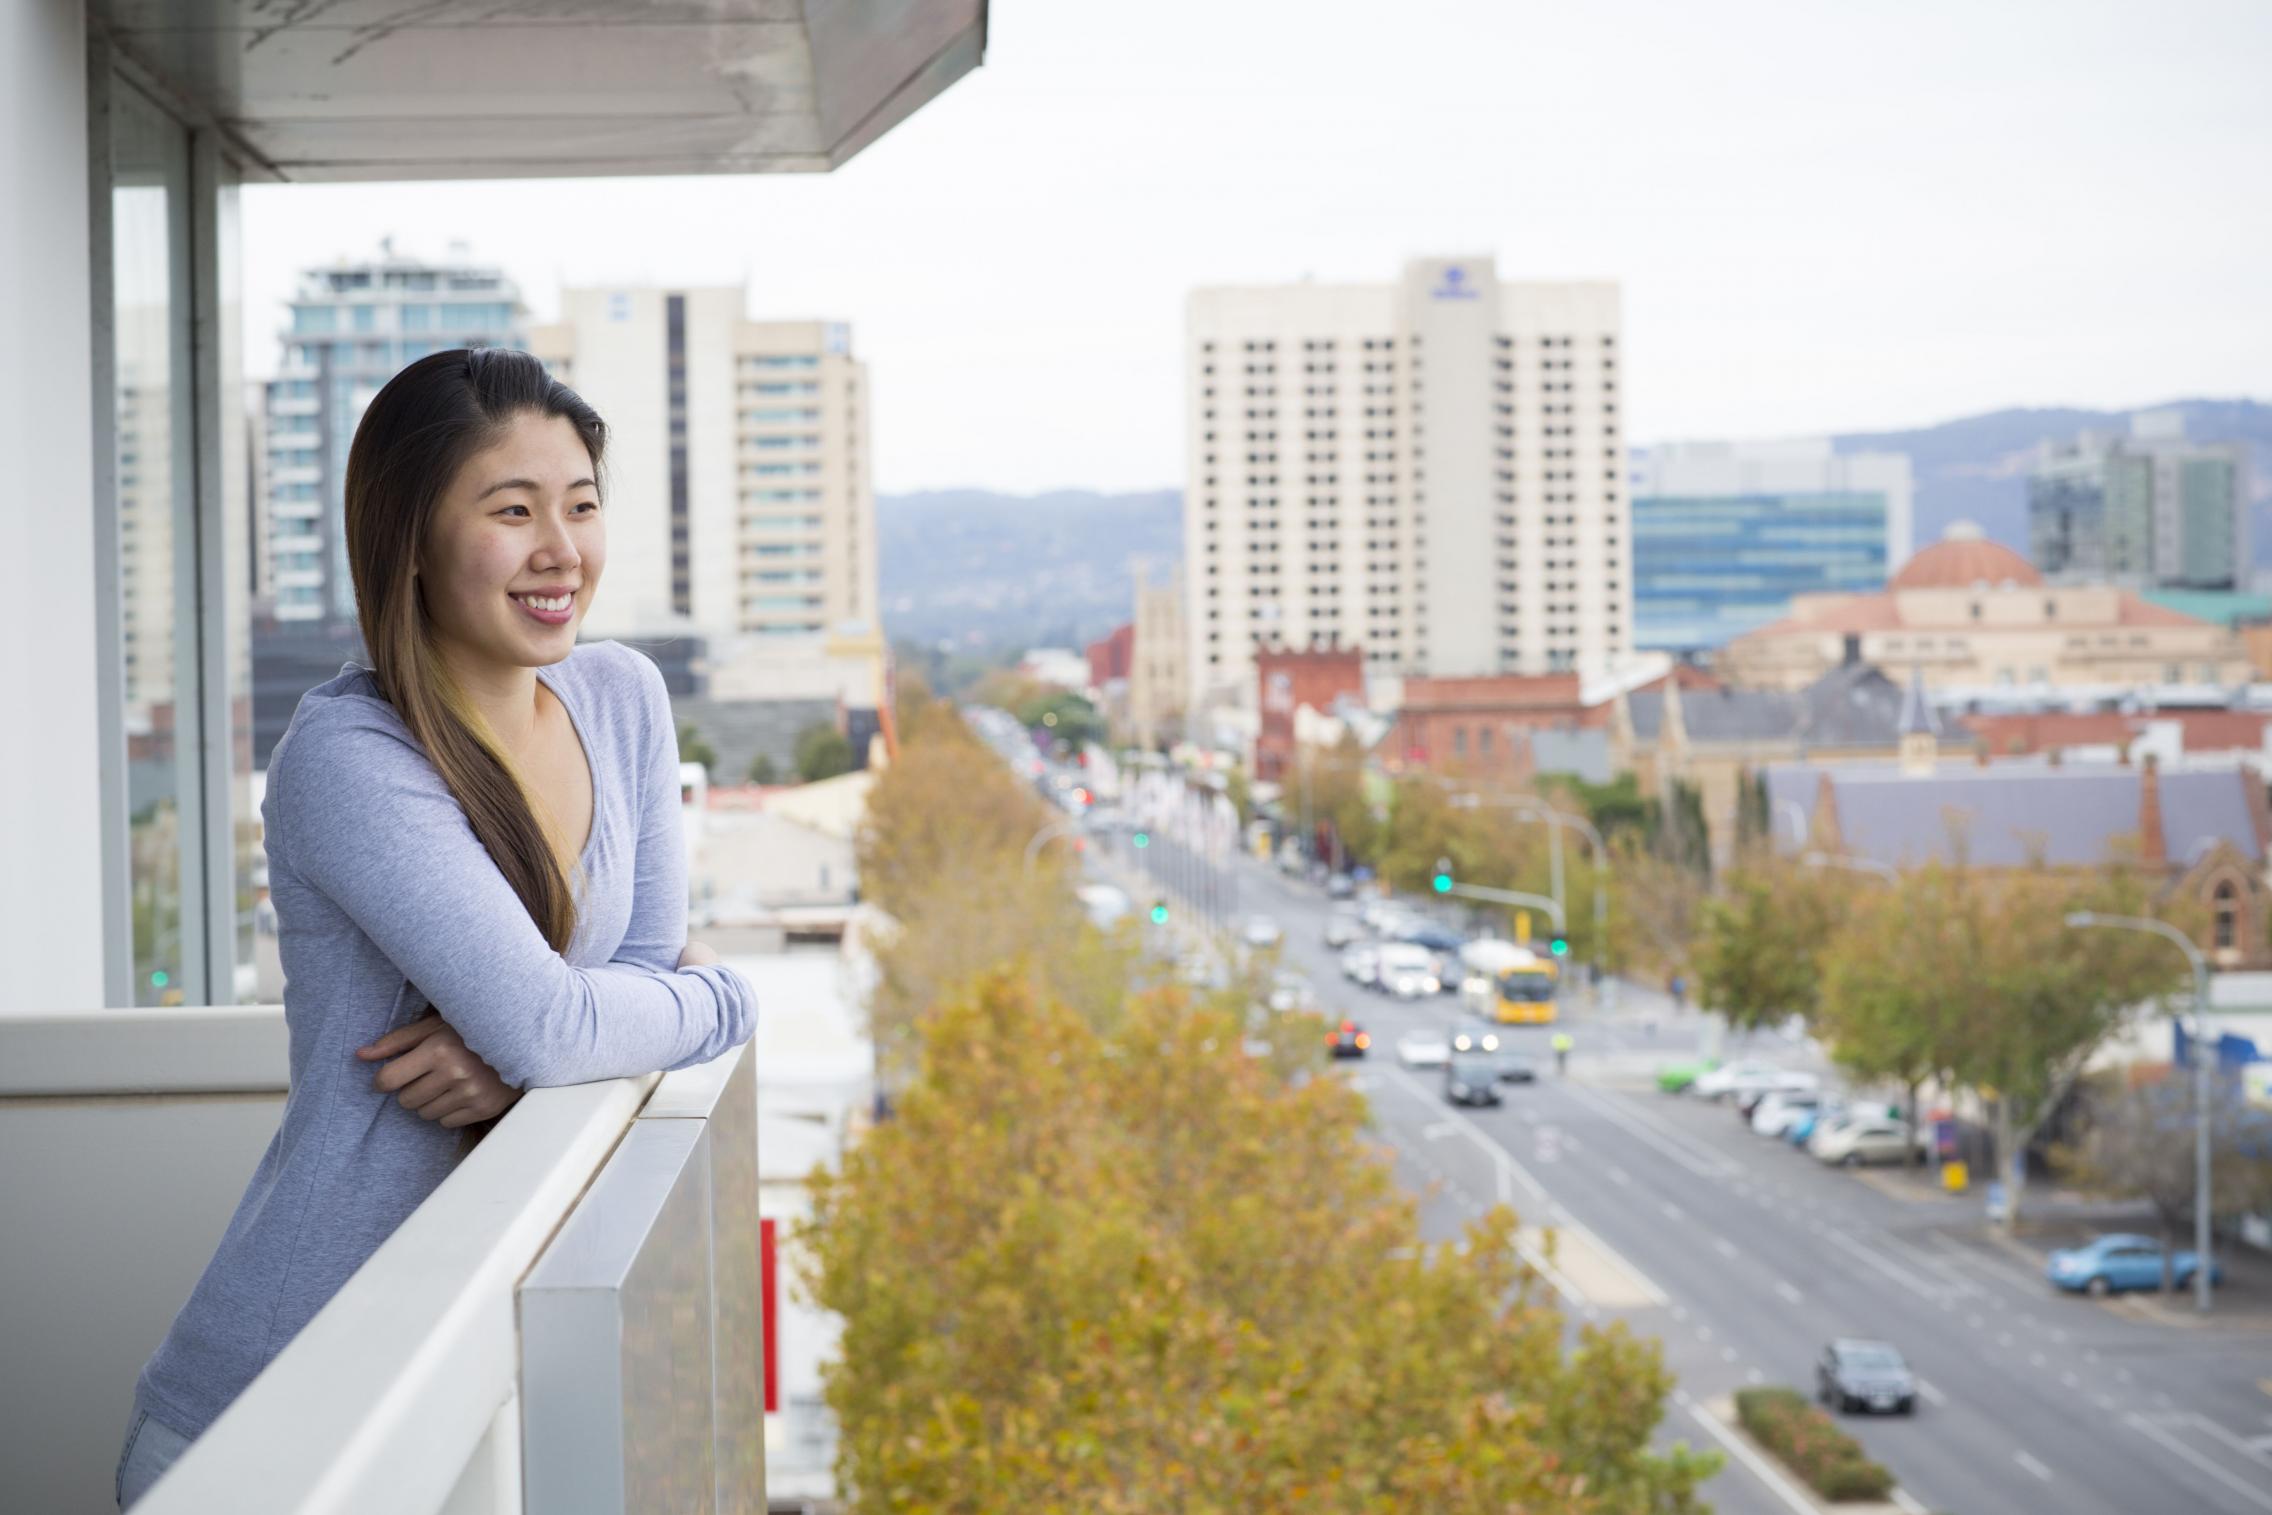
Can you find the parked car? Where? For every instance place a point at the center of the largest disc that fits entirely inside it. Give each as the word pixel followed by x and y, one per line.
pixel 2106 1264
pixel 1347 1039
pixel 1778 1108
pixel 1407 970
pixel 1342 927
pixel 1850 1143
pixel 1339 886
pixel 1864 1375
pixel 1423 1049
pixel 1361 965
pixel 1748 1077
pixel 1679 1078
pixel 1471 1073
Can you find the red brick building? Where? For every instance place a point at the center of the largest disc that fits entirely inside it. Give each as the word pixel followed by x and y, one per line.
pixel 1112 656
pixel 1479 725
pixel 1288 678
pixel 2009 735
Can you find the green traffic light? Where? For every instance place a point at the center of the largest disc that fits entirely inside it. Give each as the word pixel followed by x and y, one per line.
pixel 1159 915
pixel 1443 883
pixel 1560 946
pixel 1143 838
pixel 158 980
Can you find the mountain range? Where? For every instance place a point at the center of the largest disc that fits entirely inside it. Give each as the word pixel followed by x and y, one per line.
pixel 982 569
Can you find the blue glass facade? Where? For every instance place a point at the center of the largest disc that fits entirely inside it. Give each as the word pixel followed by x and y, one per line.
pixel 1709 568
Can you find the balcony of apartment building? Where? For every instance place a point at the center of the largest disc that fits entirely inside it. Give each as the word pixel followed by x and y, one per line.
pixel 569 1322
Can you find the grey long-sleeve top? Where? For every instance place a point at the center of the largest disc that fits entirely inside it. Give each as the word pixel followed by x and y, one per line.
pixel 386 902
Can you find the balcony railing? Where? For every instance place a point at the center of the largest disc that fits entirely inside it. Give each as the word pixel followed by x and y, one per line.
pixel 571 1321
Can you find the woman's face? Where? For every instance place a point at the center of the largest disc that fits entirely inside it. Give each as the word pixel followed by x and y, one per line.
pixel 516 547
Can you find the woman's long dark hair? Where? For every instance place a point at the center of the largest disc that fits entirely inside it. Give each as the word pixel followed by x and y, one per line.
pixel 418 432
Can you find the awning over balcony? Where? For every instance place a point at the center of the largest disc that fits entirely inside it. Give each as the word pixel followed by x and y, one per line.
pixel 474 89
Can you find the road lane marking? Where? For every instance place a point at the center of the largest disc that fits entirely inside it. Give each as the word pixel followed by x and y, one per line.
pixel 1439 1130
pixel 2178 1448
pixel 1894 1271
pixel 1790 1295
pixel 1672 1144
pixel 2254 1451
pixel 1932 1395
pixel 1509 1171
pixel 1740 1449
pixel 1724 1247
pixel 1618 1175
pixel 2029 1463
pixel 1674 1212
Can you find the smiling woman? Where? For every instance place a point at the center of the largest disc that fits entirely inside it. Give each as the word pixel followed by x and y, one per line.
pixel 475 855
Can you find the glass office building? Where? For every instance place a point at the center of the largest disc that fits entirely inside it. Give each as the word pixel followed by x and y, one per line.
pixel 1725 535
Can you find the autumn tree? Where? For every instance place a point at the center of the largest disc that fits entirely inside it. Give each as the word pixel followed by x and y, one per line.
pixel 1130 1271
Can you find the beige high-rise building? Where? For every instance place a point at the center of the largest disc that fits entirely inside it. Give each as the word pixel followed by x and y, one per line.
pixel 1159 686
pixel 737 466
pixel 1431 469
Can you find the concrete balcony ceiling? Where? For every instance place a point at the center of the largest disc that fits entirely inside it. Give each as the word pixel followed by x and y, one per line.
pixel 335 90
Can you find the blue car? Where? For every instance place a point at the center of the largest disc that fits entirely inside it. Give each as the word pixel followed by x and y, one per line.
pixel 1802 1126
pixel 2107 1263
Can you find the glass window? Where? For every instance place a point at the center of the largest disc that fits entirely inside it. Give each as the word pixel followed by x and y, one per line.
pixel 152 418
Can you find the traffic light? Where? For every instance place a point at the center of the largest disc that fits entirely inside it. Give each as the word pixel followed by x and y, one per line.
pixel 1159 912
pixel 1443 875
pixel 1559 946
pixel 1142 839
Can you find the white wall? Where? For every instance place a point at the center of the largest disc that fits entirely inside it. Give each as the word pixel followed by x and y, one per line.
pixel 51 901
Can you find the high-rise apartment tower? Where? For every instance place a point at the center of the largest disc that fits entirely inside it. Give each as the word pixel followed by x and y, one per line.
pixel 1432 470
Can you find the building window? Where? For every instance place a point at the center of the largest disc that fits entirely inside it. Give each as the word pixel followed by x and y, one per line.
pixel 2228 916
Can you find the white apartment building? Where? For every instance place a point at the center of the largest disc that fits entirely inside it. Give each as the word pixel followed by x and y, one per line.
pixel 1430 469
pixel 355 325
pixel 738 474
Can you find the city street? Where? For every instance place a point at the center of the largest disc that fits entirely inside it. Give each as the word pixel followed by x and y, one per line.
pixel 1745 1256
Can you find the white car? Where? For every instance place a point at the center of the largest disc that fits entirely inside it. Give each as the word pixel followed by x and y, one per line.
pixel 1342 927
pixel 1423 1049
pixel 1260 931
pixel 1749 1078
pixel 1864 1139
pixel 1407 971
pixel 1775 1113
pixel 1361 964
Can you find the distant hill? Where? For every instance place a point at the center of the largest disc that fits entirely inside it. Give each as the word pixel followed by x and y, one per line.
pixel 997 570
pixel 985 569
pixel 1975 468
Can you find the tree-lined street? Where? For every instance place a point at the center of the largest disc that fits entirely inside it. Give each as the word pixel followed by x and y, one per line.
pixel 1745 1257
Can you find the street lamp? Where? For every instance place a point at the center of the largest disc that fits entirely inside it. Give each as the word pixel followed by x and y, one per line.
pixel 1539 810
pixel 2202 1051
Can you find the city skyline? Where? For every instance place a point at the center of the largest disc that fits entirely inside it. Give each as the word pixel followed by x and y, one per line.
pixel 1811 247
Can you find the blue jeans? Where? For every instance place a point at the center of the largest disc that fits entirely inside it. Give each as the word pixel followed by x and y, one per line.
pixel 152 1446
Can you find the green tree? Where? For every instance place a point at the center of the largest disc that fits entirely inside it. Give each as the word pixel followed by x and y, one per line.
pixel 693 749
pixel 1976 977
pixel 1130 1271
pixel 1759 943
pixel 822 753
pixel 762 769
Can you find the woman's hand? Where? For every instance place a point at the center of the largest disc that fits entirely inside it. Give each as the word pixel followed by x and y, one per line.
pixel 439 1078
pixel 697 955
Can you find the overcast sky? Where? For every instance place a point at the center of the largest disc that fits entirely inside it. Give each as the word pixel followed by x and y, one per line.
pixel 1824 217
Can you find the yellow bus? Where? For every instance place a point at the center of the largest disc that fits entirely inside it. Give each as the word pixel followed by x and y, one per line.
pixel 1527 990
pixel 1517 986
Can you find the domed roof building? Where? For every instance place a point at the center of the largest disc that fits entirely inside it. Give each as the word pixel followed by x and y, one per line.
pixel 1964 559
pixel 1972 616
